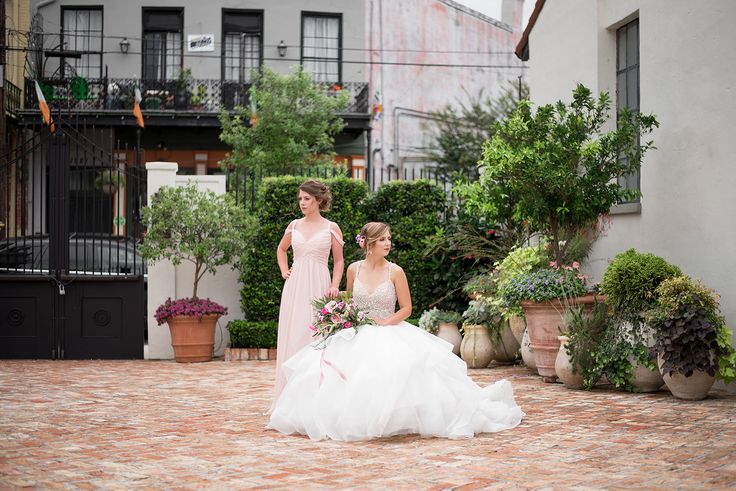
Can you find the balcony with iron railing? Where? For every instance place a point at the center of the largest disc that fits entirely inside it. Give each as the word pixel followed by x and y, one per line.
pixel 163 97
pixel 12 98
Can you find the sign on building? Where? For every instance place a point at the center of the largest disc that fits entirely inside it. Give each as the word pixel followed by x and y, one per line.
pixel 201 42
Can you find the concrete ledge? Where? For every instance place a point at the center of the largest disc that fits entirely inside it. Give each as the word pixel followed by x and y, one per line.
pixel 626 209
pixel 162 166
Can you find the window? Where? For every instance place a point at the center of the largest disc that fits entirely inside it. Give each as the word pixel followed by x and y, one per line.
pixel 322 46
pixel 242 46
pixel 627 81
pixel 162 43
pixel 81 30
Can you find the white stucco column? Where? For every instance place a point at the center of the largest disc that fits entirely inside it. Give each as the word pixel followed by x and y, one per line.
pixel 161 274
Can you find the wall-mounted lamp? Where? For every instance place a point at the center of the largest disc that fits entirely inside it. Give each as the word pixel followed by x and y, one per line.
pixel 282 49
pixel 124 45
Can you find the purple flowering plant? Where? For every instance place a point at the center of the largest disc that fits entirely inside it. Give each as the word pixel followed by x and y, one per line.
pixel 544 284
pixel 197 307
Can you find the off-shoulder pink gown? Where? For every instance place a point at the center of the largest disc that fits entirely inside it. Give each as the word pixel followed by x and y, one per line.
pixel 309 279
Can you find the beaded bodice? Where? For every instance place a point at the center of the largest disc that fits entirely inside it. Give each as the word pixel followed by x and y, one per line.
pixel 381 302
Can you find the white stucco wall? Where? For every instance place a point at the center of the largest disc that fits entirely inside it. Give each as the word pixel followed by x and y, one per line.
pixel 688 79
pixel 165 280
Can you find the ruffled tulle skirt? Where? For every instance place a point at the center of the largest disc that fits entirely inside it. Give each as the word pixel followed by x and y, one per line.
pixel 384 381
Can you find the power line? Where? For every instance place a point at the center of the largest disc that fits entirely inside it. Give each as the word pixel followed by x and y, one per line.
pixel 298 60
pixel 219 43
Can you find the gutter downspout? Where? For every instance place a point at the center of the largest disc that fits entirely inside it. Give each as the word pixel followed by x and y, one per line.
pixel 399 111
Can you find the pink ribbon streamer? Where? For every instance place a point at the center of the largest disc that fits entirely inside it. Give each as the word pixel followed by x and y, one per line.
pixel 322 363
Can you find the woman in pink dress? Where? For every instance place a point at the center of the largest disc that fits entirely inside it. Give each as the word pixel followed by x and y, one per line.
pixel 311 238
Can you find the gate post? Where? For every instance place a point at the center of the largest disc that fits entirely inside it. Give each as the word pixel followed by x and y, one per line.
pixel 162 274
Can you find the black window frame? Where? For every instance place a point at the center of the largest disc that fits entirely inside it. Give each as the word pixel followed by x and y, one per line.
pixel 144 31
pixel 624 92
pixel 224 33
pixel 332 15
pixel 68 8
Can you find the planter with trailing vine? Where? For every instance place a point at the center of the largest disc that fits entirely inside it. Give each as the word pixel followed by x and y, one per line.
pixel 693 342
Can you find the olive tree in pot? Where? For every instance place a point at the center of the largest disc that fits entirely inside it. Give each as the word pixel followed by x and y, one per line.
pixel 692 340
pixel 207 230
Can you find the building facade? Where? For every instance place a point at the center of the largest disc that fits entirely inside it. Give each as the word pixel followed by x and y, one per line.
pixel 673 59
pixel 426 54
pixel 191 60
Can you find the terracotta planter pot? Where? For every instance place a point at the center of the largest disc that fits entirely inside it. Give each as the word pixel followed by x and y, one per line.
pixel 564 368
pixel 543 321
pixel 505 349
pixel 476 347
pixel 450 333
pixel 193 339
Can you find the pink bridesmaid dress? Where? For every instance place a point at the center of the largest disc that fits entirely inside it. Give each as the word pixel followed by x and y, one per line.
pixel 309 279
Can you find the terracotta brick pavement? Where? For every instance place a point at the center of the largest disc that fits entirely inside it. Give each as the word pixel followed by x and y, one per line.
pixel 153 425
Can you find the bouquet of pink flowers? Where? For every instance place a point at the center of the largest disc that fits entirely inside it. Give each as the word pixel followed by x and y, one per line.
pixel 335 314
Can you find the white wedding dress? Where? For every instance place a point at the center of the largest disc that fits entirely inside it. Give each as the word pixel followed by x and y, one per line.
pixel 387 380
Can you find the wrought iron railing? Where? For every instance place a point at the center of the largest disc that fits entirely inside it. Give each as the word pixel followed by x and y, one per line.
pixel 12 98
pixel 194 95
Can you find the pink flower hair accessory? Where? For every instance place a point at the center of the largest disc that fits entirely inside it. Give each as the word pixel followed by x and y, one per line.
pixel 360 239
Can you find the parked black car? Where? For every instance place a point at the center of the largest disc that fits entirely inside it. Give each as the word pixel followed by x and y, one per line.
pixel 97 254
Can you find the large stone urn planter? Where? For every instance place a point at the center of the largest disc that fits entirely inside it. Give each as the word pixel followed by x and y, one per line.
pixel 476 348
pixel 527 355
pixel 518 325
pixel 450 333
pixel 193 339
pixel 505 348
pixel 692 388
pixel 644 379
pixel 543 321
pixel 564 367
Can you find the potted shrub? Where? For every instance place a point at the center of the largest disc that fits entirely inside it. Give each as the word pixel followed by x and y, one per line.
pixel 109 181
pixel 444 324
pixel 182 95
pixel 185 224
pixel 199 97
pixel 487 335
pixel 630 283
pixel 691 338
pixel 252 340
pixel 480 285
pixel 518 261
pixel 582 334
pixel 544 295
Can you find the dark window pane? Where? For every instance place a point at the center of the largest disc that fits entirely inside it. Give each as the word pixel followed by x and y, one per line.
pixel 321 47
pixel 621 94
pixel 632 87
pixel 632 44
pixel 82 31
pixel 621 48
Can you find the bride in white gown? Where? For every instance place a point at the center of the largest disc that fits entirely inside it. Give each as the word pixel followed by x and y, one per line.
pixel 389 379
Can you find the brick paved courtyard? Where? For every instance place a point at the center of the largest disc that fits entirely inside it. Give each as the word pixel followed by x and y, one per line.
pixel 147 424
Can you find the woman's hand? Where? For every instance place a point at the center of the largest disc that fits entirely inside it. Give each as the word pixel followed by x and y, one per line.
pixel 332 292
pixel 285 275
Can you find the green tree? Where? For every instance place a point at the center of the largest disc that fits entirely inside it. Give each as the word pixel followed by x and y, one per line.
pixel 557 169
pixel 461 130
pixel 291 122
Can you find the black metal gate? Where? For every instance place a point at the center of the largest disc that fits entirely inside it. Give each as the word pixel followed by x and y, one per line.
pixel 72 281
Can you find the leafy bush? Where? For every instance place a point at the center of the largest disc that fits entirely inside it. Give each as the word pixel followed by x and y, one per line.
pixel 631 281
pixel 253 334
pixel 431 319
pixel 276 208
pixel 688 329
pixel 482 284
pixel 585 332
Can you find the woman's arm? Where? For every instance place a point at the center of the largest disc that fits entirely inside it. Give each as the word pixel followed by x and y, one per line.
pixel 402 294
pixel 338 260
pixel 281 257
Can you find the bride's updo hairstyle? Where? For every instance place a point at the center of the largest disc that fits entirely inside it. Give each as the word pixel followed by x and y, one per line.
pixel 369 235
pixel 320 192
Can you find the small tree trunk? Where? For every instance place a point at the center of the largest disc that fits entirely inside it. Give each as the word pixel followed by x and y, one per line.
pixel 197 267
